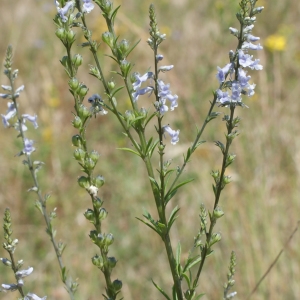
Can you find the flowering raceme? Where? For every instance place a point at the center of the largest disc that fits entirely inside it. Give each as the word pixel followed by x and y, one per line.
pixel 238 60
pixel 163 94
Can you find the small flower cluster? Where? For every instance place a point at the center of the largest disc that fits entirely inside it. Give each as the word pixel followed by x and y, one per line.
pixel 12 118
pixel 163 94
pixel 238 60
pixel 20 282
pixel 65 11
pixel 10 246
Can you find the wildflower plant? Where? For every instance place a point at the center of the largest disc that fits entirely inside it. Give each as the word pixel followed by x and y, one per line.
pixel 14 119
pixel 10 245
pixel 136 123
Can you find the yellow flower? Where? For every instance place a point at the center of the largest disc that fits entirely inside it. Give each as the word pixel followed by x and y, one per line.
pixel 275 42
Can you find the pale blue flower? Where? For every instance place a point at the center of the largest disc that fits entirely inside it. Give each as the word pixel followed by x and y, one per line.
pixel 243 78
pixel 24 273
pixel 173 100
pixel 166 68
pixel 248 45
pixel 163 89
pixel 140 79
pixel 32 119
pixel 88 6
pixel 10 287
pixel 223 97
pixel 159 57
pixel 245 60
pixel 64 10
pixel 10 113
pixel 223 72
pixel 31 296
pixel 28 149
pixel 174 134
pixel 140 92
pixel 162 107
pixel 251 38
pixel 236 92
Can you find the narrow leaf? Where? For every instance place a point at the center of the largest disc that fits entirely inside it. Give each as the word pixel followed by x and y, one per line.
pixel 129 150
pixel 161 290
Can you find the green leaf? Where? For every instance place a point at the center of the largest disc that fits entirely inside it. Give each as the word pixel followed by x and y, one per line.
pixel 129 150
pixel 153 115
pixel 161 290
pixel 187 279
pixel 113 15
pixel 154 181
pixel 63 274
pixel 191 262
pixel 173 217
pixel 199 296
pixel 178 255
pixel 199 143
pixel 129 51
pixel 151 149
pixel 148 224
pixel 169 196
pixel 117 90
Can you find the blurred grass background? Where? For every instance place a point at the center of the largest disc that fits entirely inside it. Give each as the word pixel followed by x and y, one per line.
pixel 261 204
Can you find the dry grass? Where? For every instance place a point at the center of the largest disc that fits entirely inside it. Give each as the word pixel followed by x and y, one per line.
pixel 261 205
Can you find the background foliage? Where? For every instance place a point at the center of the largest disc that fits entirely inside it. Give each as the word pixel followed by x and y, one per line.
pixel 261 204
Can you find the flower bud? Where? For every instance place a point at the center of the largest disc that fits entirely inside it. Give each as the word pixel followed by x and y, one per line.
pixel 216 237
pixel 77 123
pixel 107 7
pixel 77 60
pixel 111 85
pixel 83 182
pixel 129 116
pixel 111 262
pixel 99 181
pixel 108 39
pixel 215 174
pixel 125 66
pixel 6 261
pixel 97 202
pixel 143 113
pixel 123 48
pixel 64 61
pixel 90 215
pixel 97 261
pixel 83 112
pixel 73 84
pixel 230 158
pixel 77 140
pixel 94 155
pixel 109 239
pixel 93 236
pixel 70 36
pixel 218 213
pixel 226 179
pixel 102 214
pixel 117 284
pixel 83 89
pixel 61 34
pixel 79 154
pixel 89 164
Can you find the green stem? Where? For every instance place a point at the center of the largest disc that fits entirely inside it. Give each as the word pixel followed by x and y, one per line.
pixel 217 198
